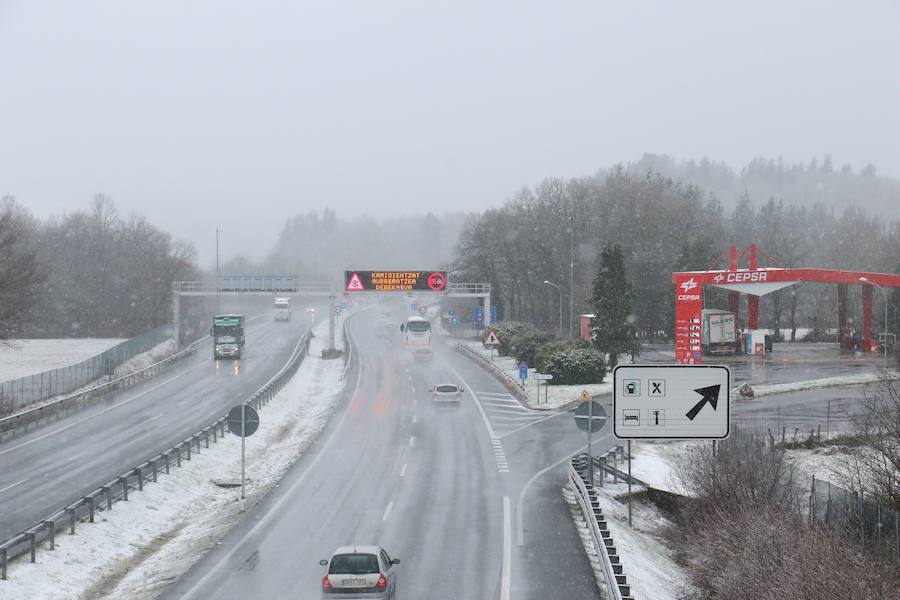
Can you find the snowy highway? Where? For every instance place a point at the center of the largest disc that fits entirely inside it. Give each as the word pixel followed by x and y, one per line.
pixel 468 497
pixel 57 463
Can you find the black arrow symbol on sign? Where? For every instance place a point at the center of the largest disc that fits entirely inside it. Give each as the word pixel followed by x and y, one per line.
pixel 710 394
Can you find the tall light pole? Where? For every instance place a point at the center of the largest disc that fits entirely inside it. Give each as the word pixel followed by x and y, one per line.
pixel 571 276
pixel 885 337
pixel 218 303
pixel 560 305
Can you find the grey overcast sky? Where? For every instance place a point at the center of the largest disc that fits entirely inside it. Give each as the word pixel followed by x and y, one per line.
pixel 240 114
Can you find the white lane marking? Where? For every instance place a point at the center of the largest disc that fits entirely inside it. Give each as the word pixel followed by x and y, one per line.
pixel 415 418
pixel 520 519
pixel 506 409
pixel 155 418
pixel 506 567
pixel 413 388
pixel 532 424
pixel 412 441
pixel 403 470
pixel 495 394
pixel 273 510
pixel 74 456
pixel 487 422
pixel 9 487
pixel 410 377
pixel 88 418
pixel 387 511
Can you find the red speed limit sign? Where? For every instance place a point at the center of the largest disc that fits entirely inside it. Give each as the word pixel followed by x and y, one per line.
pixel 437 281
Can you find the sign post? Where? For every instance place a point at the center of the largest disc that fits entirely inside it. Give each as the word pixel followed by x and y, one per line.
pixel 243 420
pixel 492 341
pixel 523 375
pixel 590 416
pixel 545 377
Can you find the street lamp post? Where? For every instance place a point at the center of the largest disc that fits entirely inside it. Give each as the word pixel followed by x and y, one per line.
pixel 218 302
pixel 560 306
pixel 885 336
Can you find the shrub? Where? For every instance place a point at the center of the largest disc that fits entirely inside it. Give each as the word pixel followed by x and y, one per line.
pixel 509 330
pixel 575 366
pixel 526 344
pixel 546 350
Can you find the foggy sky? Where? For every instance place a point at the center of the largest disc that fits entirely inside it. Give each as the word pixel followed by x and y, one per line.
pixel 240 114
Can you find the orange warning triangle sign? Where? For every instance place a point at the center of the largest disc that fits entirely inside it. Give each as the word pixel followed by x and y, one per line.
pixel 492 339
pixel 355 285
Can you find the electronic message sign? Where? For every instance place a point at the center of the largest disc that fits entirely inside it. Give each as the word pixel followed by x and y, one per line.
pixel 395 281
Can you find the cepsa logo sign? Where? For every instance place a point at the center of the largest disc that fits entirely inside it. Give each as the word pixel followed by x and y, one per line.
pixel 688 286
pixel 742 277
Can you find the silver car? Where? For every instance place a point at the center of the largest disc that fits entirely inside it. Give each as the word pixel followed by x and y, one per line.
pixel 360 572
pixel 446 392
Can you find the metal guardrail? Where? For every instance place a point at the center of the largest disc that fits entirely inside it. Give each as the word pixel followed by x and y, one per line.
pixel 23 419
pixel 209 287
pixel 511 384
pixel 607 553
pixel 102 498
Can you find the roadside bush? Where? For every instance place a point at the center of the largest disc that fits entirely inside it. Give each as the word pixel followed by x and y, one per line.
pixel 546 350
pixel 509 330
pixel 575 366
pixel 525 345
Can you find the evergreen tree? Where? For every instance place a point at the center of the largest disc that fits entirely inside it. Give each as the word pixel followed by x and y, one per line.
pixel 612 298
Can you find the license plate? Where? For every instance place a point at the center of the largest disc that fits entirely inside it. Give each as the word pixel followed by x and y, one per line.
pixel 353 582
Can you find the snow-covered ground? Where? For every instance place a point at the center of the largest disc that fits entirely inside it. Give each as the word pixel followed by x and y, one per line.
pixel 27 357
pixel 838 381
pixel 143 360
pixel 551 396
pixel 139 547
pixel 648 563
pixel 654 464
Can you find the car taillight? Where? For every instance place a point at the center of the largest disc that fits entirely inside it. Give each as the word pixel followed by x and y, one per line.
pixel 382 581
pixel 326 585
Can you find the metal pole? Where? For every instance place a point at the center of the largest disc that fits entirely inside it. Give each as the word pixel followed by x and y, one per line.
pixel 629 483
pixel 590 428
pixel 243 446
pixel 828 420
pixel 218 297
pixel 331 325
pixel 572 276
pixel 558 291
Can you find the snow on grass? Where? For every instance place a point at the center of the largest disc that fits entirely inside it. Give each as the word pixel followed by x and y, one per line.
pixel 141 546
pixel 20 358
pixel 551 396
pixel 143 360
pixel 838 381
pixel 647 561
pixel 654 464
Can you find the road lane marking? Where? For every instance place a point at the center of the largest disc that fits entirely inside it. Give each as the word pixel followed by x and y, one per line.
pixel 505 567
pixel 532 424
pixel 413 388
pixel 412 441
pixel 403 470
pixel 387 511
pixel 520 520
pixel 9 487
pixel 155 418
pixel 273 510
pixel 102 412
pixel 484 417
pixel 415 418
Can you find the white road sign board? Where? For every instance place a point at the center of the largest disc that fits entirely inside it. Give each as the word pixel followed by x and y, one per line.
pixel 671 402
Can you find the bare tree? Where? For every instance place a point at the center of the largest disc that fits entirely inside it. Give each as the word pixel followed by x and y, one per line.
pixel 21 272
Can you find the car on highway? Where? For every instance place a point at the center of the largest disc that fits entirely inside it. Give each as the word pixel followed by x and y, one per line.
pixel 360 572
pixel 446 392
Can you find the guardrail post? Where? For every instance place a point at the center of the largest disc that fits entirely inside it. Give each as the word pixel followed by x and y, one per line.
pixel 3 564
pixel 51 525
pixel 153 467
pixel 31 545
pixel 140 478
pixel 215 432
pixel 188 444
pixel 71 513
pixel 196 438
pixel 90 502
pixel 165 456
pixel 107 491
pixel 178 456
pixel 124 482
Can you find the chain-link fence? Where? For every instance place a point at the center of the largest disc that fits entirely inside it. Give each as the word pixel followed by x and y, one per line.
pixel 17 394
pixel 856 515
